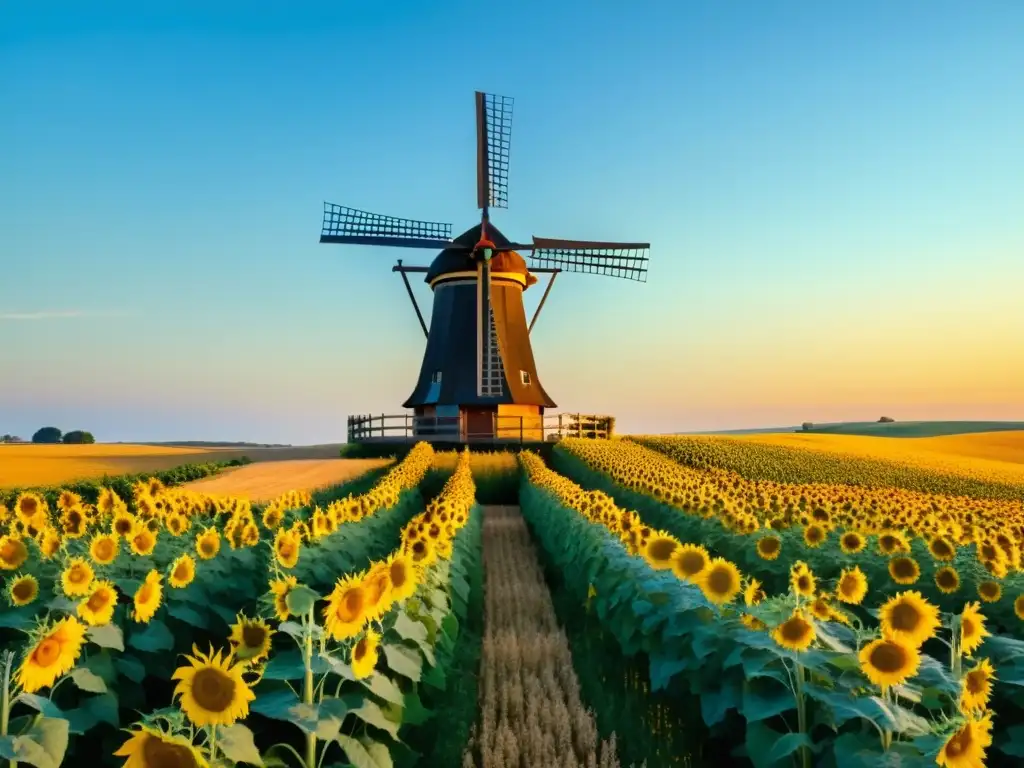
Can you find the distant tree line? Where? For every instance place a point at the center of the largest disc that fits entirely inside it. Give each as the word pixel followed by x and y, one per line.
pixel 807 426
pixel 52 436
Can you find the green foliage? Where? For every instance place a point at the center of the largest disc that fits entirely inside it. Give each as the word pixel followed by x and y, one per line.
pixel 79 437
pixel 47 435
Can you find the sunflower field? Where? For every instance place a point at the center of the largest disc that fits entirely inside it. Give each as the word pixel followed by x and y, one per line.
pixel 830 624
pixel 310 632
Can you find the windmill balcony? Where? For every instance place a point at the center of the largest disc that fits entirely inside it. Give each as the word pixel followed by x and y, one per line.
pixel 476 427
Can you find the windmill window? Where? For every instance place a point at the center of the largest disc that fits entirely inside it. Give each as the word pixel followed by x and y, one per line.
pixel 524 376
pixel 436 378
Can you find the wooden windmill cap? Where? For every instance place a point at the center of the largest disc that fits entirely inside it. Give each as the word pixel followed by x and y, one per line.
pixel 449 261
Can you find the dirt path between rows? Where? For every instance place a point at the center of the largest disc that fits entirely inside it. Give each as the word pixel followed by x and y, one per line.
pixel 530 708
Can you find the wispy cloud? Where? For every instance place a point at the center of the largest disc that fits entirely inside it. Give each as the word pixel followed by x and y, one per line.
pixel 59 314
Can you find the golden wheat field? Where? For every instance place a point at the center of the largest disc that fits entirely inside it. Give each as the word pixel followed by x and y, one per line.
pixel 984 455
pixel 266 480
pixel 33 465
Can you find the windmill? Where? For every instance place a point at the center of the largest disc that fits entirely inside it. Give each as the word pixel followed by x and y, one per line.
pixel 478 367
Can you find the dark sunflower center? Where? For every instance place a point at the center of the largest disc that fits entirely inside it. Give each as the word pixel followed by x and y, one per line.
pixel 795 629
pixel 803 582
pixel 359 653
pixel 157 753
pixel 181 572
pixel 989 589
pixel 814 533
pixel 848 585
pixel 208 546
pixel 661 549
pixel 960 743
pixel 691 562
pixel 24 590
pixel 99 600
pixel 123 527
pixel 145 593
pixel 46 653
pixel 78 575
pixel 946 579
pixel 968 628
pixel 976 680
pixel 720 581
pixel 213 690
pixel 888 657
pixel 888 543
pixel 398 574
pixel 350 605
pixel 905 617
pixel 253 635
pixel 104 549
pixel 903 567
pixel 941 548
pixel 768 546
pixel 851 540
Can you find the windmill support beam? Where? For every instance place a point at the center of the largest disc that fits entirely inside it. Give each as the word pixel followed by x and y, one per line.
pixel 419 315
pixel 547 290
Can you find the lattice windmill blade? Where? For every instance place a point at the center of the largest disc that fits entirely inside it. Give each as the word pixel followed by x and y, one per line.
pixel 623 260
pixel 493 138
pixel 350 225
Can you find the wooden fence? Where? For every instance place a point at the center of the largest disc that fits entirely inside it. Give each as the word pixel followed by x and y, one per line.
pixel 407 427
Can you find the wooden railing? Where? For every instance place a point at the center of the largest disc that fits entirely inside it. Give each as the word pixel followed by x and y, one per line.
pixel 462 429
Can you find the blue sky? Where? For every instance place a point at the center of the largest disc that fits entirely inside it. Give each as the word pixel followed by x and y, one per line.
pixel 833 194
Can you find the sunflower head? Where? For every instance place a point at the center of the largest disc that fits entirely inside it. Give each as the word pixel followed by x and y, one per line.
pixel 888 661
pixel 147 597
pixel 250 639
pixel 404 576
pixel 52 652
pixel 689 561
pixel 364 654
pixel 802 580
pixel 966 747
pixel 658 550
pixel 852 586
pixel 148 747
pixel 909 618
pixel 947 580
pixel 286 547
pixel 796 633
pixel 208 544
pixel 852 542
pixel 183 571
pixel 904 570
pixel 103 548
pixel 942 549
pixel 976 687
pixel 13 553
pixel 346 610
pixel 142 540
pixel 769 547
pixel 753 593
pixel 212 689
pixel 990 591
pixel 98 608
pixel 972 628
pixel 720 581
pixel 279 589
pixel 23 590
pixel 77 578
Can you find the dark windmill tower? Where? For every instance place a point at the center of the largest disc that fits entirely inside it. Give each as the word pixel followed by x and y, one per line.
pixel 478 378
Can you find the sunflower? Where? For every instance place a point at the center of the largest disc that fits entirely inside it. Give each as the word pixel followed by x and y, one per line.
pixel 422 553
pixel 250 639
pixel 904 570
pixel 942 549
pixel 183 571
pixel 98 608
pixel 852 542
pixel 212 689
pixel 23 590
pixel 345 613
pixel 28 505
pixel 53 652
pixel 720 581
pixel 966 747
pixel 753 593
pixel 658 550
pixel 280 589
pixel 689 561
pixel 147 597
pixel 208 543
pixel 910 618
pixel 403 576
pixel 176 524
pixel 990 591
pixel 286 548
pixel 888 661
pixel 151 748
pixel 378 591
pixel 947 580
pixel 1018 607
pixel 769 547
pixel 976 687
pixel 852 586
pixel 77 578
pixel 13 553
pixel 796 633
pixel 802 580
pixel 273 515
pixel 103 548
pixel 820 608
pixel 123 524
pixel 49 542
pixel 364 654
pixel 890 542
pixel 815 535
pixel 972 628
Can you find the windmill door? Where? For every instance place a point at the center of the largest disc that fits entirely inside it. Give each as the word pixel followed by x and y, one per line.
pixel 479 424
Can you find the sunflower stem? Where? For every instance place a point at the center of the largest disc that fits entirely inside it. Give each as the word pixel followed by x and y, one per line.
pixel 213 742
pixel 801 713
pixel 308 688
pixel 5 703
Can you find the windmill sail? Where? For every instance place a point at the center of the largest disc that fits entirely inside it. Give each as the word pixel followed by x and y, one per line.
pixel 623 260
pixel 493 138
pixel 350 225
